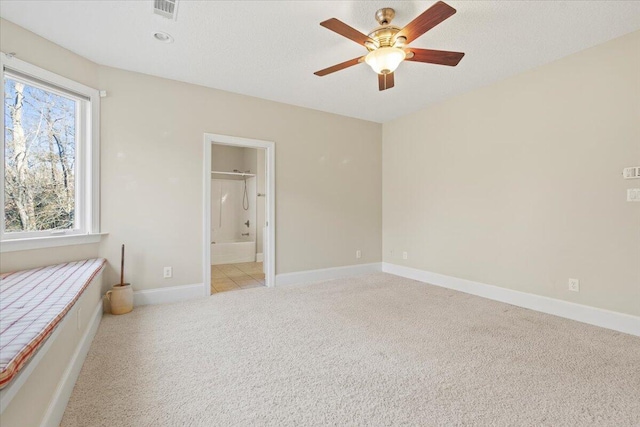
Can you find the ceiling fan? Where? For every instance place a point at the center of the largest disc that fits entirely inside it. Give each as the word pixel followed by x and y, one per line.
pixel 387 44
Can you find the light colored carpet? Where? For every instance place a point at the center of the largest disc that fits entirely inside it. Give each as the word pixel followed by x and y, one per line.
pixel 377 350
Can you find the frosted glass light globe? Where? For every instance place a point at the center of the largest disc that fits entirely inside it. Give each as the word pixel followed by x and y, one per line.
pixel 385 60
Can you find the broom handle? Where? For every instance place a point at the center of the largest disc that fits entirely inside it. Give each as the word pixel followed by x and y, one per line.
pixel 122 267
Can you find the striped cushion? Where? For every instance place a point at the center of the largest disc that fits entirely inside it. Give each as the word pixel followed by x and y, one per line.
pixel 32 304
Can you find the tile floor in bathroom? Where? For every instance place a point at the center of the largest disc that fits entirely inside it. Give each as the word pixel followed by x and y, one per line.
pixel 233 277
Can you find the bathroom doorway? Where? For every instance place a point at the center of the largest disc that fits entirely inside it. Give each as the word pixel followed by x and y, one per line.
pixel 239 200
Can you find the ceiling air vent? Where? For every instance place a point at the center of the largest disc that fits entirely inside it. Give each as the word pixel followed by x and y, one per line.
pixel 166 8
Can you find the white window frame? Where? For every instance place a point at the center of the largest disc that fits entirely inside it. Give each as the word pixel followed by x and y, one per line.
pixel 87 164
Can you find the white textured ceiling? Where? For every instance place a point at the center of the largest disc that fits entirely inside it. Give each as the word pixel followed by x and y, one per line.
pixel 270 49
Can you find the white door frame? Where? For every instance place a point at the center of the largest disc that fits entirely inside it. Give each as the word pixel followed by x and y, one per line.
pixel 270 208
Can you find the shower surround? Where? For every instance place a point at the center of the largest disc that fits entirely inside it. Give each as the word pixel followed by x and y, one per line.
pixel 232 240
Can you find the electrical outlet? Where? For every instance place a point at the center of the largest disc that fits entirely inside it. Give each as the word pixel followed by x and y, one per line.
pixel 358 254
pixel 574 285
pixel 168 272
pixel 405 255
pixel 79 319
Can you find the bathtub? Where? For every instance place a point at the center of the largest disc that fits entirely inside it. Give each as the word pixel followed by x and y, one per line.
pixel 231 252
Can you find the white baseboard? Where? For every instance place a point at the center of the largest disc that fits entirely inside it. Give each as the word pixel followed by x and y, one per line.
pixel 582 313
pixel 168 294
pixel 327 273
pixel 58 404
pixel 259 257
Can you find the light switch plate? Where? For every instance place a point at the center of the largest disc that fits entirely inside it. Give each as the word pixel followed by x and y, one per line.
pixel 633 195
pixel 631 173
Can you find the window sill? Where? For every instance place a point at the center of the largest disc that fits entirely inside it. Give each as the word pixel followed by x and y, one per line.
pixel 49 242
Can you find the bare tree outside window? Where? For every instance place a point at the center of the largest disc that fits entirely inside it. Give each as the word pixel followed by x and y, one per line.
pixel 40 158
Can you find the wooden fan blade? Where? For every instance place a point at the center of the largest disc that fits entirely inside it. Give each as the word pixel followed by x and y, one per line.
pixel 441 57
pixel 344 30
pixel 338 67
pixel 385 81
pixel 426 21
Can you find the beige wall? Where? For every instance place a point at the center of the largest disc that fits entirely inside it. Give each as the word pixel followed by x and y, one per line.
pixel 225 158
pixel 328 177
pixel 251 159
pixel 519 184
pixel 23 260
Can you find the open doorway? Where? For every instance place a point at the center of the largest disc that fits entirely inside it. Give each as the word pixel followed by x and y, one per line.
pixel 239 206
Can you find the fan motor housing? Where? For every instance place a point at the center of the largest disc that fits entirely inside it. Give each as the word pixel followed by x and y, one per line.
pixel 384 35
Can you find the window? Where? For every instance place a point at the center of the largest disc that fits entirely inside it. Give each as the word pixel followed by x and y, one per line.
pixel 49 156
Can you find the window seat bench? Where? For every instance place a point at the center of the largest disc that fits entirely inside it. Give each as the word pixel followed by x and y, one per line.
pixel 32 304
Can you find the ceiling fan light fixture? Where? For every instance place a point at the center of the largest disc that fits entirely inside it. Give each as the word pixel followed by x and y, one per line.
pixel 385 60
pixel 388 45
